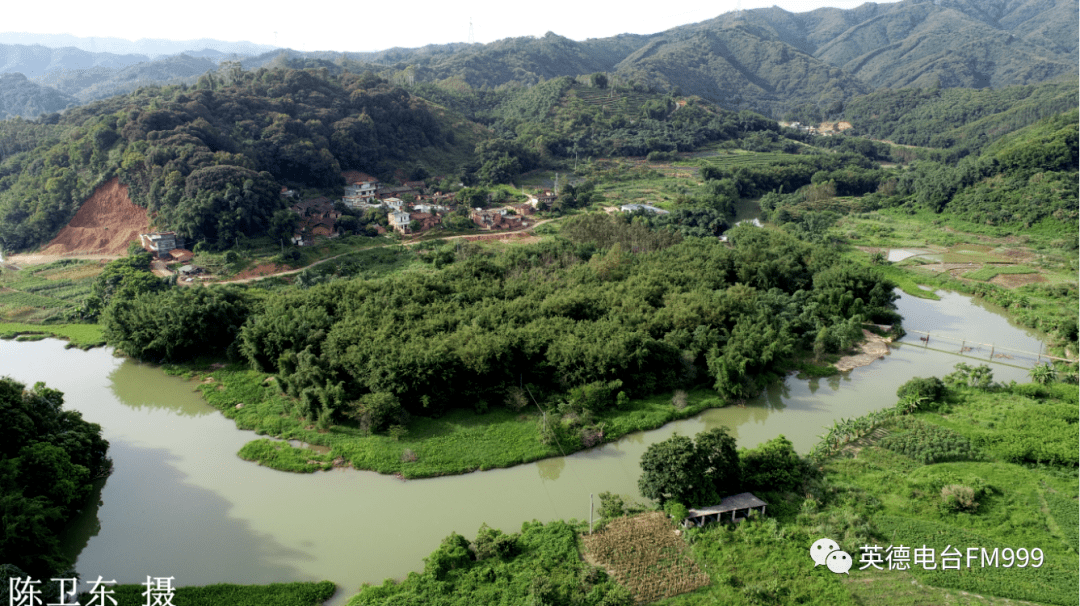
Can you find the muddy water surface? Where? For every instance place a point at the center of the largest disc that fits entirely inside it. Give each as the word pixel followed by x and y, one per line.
pixel 180 503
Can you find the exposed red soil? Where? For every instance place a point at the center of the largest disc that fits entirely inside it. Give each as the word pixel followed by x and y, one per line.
pixel 105 224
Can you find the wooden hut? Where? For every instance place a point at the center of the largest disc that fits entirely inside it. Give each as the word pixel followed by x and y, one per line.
pixel 730 509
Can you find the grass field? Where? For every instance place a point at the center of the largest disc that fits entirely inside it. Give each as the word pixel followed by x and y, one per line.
pixel 731 159
pixel 1011 503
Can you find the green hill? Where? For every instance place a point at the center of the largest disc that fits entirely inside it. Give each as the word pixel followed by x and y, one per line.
pixel 209 161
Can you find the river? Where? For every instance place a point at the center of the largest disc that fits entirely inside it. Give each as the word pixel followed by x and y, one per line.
pixel 181 503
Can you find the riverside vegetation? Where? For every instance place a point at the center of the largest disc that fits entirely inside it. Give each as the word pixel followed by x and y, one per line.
pixel 396 364
pixel 952 464
pixel 50 460
pixel 431 357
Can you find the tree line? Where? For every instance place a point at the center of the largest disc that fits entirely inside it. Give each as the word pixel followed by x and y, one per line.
pixel 607 312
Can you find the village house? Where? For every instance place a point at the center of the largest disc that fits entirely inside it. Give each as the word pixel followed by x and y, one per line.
pixel 385 192
pixel 495 219
pixel 394 203
pixel 524 209
pixel 317 218
pixel 161 242
pixel 426 220
pixel 429 208
pixel 181 255
pixel 361 192
pixel 399 220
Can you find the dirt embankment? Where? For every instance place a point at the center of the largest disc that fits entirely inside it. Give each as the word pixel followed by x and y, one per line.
pixel 104 225
pixel 873 348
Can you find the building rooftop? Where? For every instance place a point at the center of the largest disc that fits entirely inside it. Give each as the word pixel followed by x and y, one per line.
pixel 744 500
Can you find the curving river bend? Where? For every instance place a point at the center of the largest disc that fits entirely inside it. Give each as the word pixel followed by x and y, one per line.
pixel 180 503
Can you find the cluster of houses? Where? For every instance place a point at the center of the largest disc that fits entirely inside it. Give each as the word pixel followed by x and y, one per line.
pixel 826 129
pixel 318 217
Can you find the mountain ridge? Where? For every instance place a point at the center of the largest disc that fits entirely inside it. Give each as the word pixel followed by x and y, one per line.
pixel 769 60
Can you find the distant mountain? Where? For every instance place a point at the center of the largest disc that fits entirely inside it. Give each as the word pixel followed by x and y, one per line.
pixel 22 97
pixel 102 82
pixel 769 60
pixel 37 60
pixel 152 48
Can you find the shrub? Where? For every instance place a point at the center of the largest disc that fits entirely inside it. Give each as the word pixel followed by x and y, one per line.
pixel 376 412
pixel 491 542
pixel 516 399
pixel 929 388
pixel 955 497
pixel 773 466
pixel 611 505
pixel 676 510
pixel 452 554
pixel 679 399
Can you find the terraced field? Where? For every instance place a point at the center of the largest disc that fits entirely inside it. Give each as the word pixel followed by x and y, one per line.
pixel 46 292
pixel 610 99
pixel 735 159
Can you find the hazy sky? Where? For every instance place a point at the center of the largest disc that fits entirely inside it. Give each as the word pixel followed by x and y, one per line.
pixel 363 25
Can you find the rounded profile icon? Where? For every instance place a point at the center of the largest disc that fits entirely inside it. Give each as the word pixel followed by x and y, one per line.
pixel 821 549
pixel 839 562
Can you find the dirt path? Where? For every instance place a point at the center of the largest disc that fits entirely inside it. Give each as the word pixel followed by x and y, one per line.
pixel 296 271
pixel 25 259
pixel 287 272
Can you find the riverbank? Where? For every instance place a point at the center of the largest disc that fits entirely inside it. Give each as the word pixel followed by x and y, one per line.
pixel 279 594
pixel 82 336
pixel 499 437
pixel 898 487
pixel 458 442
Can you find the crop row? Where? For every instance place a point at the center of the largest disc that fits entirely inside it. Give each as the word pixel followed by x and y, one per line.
pixel 647 557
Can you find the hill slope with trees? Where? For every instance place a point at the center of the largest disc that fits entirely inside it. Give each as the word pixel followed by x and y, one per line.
pixel 767 60
pixel 210 161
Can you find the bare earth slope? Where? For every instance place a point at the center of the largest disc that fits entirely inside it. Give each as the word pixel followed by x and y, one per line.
pixel 104 225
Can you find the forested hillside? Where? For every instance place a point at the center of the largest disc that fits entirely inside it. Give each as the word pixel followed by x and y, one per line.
pixel 767 60
pixel 772 60
pixel 102 81
pixel 21 97
pixel 959 120
pixel 209 161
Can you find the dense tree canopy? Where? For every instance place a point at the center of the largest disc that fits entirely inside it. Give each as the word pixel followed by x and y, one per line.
pixel 694 472
pixel 49 457
pixel 208 161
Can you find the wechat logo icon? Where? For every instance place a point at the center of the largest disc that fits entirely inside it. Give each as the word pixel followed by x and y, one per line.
pixel 827 552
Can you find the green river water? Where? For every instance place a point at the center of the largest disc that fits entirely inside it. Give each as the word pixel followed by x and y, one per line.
pixel 181 503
